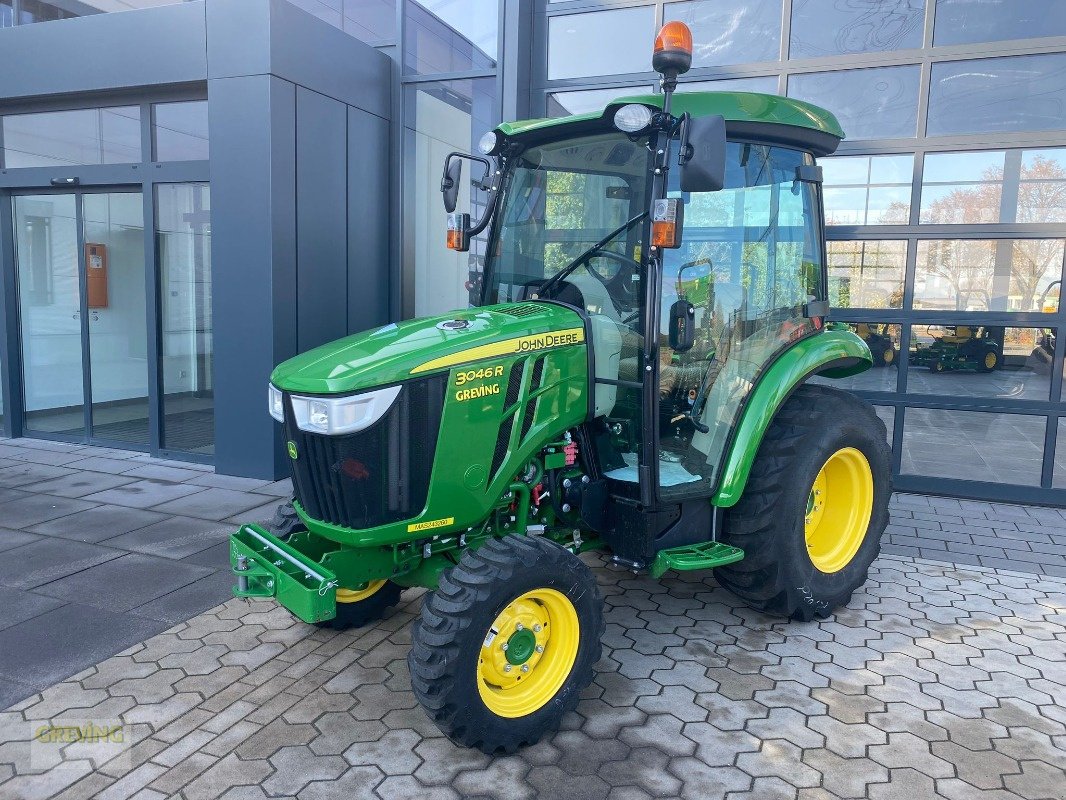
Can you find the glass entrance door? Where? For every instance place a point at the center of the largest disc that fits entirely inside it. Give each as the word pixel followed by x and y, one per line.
pixel 82 304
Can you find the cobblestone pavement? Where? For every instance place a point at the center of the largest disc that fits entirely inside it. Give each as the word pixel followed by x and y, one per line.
pixel 935 681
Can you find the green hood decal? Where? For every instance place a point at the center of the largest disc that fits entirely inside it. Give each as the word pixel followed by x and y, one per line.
pixel 417 347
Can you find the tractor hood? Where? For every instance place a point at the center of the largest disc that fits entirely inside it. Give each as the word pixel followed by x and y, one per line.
pixel 416 347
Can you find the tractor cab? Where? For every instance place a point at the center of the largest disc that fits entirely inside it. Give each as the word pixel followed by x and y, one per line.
pixel 687 231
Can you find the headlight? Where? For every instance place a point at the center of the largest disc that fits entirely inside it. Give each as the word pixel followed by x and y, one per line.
pixel 632 118
pixel 336 416
pixel 489 142
pixel 277 409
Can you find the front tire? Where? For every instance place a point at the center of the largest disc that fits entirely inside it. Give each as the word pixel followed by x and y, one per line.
pixel 507 642
pixel 359 607
pixel 816 504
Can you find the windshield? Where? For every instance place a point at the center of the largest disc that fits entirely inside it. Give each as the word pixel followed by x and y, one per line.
pixel 562 199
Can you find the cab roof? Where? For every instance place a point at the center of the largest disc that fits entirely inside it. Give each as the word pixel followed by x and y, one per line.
pixel 748 115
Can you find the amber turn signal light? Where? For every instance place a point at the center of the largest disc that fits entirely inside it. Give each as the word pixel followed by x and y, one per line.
pixel 458 237
pixel 667 222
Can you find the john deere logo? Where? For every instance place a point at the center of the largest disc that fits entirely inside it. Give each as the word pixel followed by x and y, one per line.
pixel 292 450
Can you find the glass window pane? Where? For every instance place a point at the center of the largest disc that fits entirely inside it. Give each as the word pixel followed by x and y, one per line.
pixel 40 11
pixel 868 190
pixel 968 21
pixel 118 329
pixel 561 104
pixel 1042 187
pixel 876 103
pixel 866 274
pixel 569 37
pixel 61 138
pixel 981 361
pixel 442 117
pixel 7 18
pixel 1059 479
pixel 973 445
pixel 984 275
pixel 450 35
pixel 1018 93
pixel 180 131
pixel 962 188
pixel 766 84
pixel 837 27
pixel 370 20
pixel 730 31
pixel 46 258
pixel 183 236
pixel 883 341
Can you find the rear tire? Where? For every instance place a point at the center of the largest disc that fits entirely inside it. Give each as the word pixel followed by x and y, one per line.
pixel 363 606
pixel 531 595
pixel 818 432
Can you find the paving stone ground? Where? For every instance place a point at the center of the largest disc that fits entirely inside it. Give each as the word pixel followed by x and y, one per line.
pixel 936 681
pixel 102 548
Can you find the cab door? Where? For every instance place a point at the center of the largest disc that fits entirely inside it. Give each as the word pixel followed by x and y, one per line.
pixel 750 262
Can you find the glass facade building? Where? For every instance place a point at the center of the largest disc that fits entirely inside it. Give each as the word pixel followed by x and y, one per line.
pixel 946 203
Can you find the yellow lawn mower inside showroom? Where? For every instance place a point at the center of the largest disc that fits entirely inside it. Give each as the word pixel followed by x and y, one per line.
pixel 646 373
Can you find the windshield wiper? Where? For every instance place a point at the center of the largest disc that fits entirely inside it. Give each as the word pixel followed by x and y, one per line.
pixel 577 262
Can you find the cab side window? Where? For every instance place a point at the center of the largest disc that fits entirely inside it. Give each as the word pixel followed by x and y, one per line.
pixel 749 263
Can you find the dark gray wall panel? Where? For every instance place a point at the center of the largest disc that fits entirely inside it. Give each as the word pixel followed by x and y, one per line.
pixel 321 219
pixel 368 221
pixel 253 186
pixel 312 53
pixel 238 38
pixel 105 51
pixel 251 37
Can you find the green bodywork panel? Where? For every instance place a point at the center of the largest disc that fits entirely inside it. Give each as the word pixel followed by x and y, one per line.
pixel 835 352
pixel 398 352
pixel 733 106
pixel 705 555
pixel 481 360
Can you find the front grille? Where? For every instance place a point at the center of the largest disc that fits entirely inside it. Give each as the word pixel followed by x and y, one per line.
pixel 375 476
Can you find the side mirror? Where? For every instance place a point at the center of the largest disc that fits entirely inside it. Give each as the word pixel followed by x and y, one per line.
pixel 449 184
pixel 703 154
pixel 682 327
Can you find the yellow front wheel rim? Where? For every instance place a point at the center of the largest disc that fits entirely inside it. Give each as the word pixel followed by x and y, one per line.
pixel 990 360
pixel 355 595
pixel 839 508
pixel 528 653
pixel 890 356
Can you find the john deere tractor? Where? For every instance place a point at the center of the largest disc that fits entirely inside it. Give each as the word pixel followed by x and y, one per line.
pixel 634 380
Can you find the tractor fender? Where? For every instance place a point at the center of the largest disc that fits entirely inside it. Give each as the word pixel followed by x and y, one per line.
pixel 835 352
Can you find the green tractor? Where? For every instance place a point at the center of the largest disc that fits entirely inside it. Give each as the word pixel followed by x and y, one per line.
pixel 633 381
pixel 879 340
pixel 962 348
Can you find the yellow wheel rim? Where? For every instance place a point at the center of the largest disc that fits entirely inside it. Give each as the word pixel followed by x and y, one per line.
pixel 990 360
pixel 838 511
pixel 890 356
pixel 355 595
pixel 528 653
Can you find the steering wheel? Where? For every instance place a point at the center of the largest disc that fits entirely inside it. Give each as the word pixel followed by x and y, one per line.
pixel 617 285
